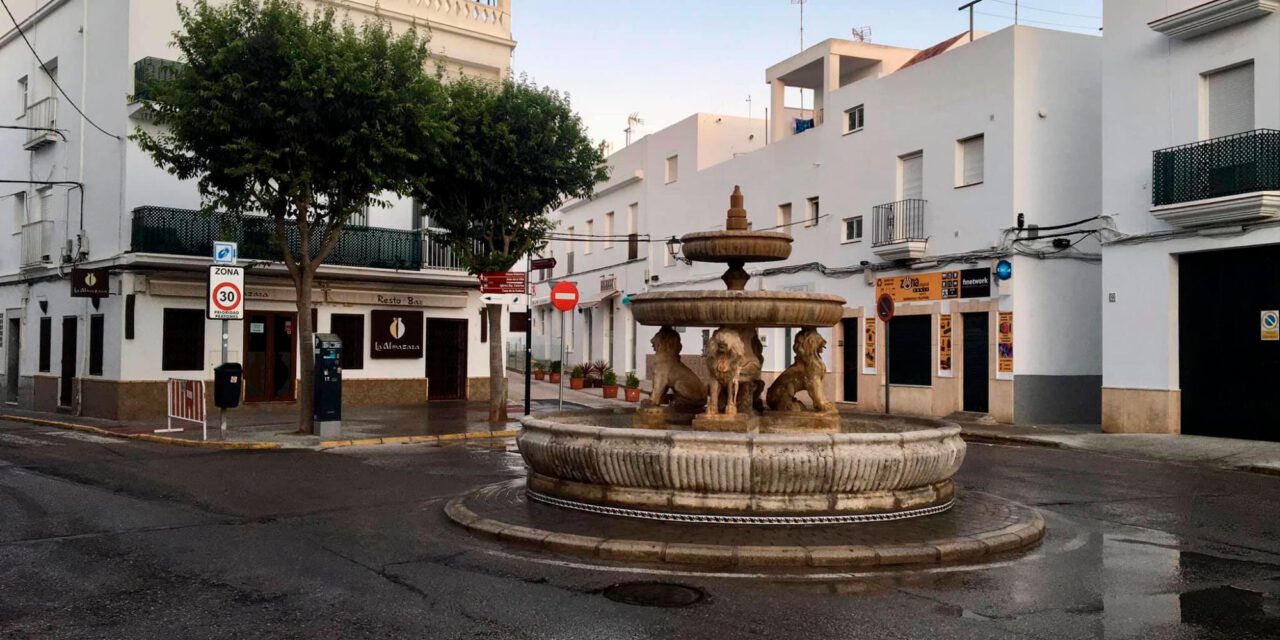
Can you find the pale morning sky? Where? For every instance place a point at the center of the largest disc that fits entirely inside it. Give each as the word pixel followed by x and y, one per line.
pixel 668 59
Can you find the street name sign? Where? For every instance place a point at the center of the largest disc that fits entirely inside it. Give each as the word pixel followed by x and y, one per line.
pixel 502 282
pixel 225 299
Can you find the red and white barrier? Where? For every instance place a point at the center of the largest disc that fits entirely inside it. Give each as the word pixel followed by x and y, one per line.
pixel 186 402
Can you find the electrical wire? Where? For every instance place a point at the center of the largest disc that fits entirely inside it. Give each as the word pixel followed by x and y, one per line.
pixel 1040 22
pixel 50 75
pixel 1061 13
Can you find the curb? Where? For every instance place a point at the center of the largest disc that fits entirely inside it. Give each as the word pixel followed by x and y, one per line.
pixel 144 437
pixel 1014 537
pixel 988 438
pixel 440 439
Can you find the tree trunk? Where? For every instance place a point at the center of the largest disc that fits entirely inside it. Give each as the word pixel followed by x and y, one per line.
pixel 497 367
pixel 307 363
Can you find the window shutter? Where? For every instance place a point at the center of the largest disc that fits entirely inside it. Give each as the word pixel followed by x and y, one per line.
pixel 913 177
pixel 1230 101
pixel 973 152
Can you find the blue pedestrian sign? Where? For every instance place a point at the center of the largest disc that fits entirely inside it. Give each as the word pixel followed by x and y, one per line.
pixel 224 252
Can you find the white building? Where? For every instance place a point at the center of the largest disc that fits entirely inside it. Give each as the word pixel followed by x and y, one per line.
pixel 913 177
pixel 1191 166
pixel 79 197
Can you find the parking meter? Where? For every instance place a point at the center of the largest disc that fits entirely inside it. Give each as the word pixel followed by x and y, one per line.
pixel 328 384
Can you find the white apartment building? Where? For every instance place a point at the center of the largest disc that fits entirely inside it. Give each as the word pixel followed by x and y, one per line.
pixel 79 197
pixel 1191 176
pixel 908 176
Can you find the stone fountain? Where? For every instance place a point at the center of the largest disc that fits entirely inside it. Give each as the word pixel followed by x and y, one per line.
pixel 727 448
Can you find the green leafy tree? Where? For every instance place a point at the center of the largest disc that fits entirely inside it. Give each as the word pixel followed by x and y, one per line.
pixel 518 152
pixel 292 114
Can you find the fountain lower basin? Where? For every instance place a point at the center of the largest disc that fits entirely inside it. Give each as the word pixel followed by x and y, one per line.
pixel 875 467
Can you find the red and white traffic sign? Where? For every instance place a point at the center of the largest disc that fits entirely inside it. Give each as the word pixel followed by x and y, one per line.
pixel 226 293
pixel 564 296
pixel 502 282
pixel 885 307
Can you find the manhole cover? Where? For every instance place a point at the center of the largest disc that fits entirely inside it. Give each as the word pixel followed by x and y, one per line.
pixel 654 594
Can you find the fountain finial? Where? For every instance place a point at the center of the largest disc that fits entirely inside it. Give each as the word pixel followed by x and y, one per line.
pixel 736 220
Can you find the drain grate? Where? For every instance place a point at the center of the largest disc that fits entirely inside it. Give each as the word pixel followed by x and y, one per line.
pixel 654 594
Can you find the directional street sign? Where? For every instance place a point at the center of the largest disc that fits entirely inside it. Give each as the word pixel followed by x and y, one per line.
pixel 502 282
pixel 542 263
pixel 564 296
pixel 511 299
pixel 225 252
pixel 225 299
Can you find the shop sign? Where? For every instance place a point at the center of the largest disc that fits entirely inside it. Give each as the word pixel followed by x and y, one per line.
pixel 975 283
pixel 944 345
pixel 1271 325
pixel 90 283
pixel 868 345
pixel 1004 343
pixel 608 284
pixel 938 285
pixel 395 333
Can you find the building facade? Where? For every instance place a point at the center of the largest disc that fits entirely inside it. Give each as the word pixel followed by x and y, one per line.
pixel 914 173
pixel 1191 165
pixel 81 198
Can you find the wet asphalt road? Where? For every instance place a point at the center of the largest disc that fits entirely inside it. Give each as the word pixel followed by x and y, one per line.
pixel 109 539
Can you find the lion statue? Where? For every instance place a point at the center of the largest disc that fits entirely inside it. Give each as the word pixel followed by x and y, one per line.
pixel 805 374
pixel 670 374
pixel 731 365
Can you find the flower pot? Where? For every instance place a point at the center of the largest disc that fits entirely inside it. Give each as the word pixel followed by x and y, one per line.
pixel 539 375
pixel 576 383
pixel 554 378
pixel 633 395
pixel 610 390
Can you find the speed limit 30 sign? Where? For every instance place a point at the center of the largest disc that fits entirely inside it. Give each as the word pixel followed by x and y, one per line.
pixel 225 300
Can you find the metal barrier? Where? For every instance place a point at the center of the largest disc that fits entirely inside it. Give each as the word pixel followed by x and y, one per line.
pixel 185 402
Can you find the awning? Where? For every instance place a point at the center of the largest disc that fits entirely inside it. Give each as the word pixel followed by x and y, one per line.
pixel 595 300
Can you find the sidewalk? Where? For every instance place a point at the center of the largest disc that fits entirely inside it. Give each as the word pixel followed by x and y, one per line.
pixel 546 393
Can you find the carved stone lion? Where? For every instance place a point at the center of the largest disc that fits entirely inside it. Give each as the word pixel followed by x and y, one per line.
pixel 805 374
pixel 670 374
pixel 731 365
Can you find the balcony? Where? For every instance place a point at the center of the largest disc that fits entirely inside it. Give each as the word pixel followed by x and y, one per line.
pixel 1227 180
pixel 42 115
pixel 185 232
pixel 37 244
pixel 898 232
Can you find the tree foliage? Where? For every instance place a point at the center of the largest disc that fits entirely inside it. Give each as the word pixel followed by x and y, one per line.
pixel 518 152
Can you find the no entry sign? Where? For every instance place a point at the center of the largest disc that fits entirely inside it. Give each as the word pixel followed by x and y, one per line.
pixel 225 300
pixel 564 296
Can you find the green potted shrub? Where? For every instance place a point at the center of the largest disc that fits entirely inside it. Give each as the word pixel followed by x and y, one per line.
pixel 595 373
pixel 633 387
pixel 609 384
pixel 577 377
pixel 539 370
pixel 554 372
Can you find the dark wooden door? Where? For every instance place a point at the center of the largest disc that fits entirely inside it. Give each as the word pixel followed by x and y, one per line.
pixel 977 365
pixel 66 386
pixel 446 355
pixel 13 353
pixel 851 352
pixel 270 353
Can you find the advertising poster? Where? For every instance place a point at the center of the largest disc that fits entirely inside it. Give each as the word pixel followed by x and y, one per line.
pixel 1004 343
pixel 869 345
pixel 944 345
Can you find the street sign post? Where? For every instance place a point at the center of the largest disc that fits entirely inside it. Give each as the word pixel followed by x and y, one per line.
pixel 564 296
pixel 224 301
pixel 884 310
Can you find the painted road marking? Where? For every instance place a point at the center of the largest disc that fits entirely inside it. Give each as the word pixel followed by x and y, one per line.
pixel 86 437
pixel 25 441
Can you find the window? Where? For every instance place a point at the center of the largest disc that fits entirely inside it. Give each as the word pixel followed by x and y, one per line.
pixel 46 343
pixel 812 216
pixel 910 350
pixel 19 211
pixel 183 341
pixel 96 326
pixel 608 230
pixel 854 119
pixel 350 328
pixel 24 96
pixel 673 169
pixel 1228 103
pixel 784 218
pixel 44 204
pixel 586 241
pixel 969 164
pixel 852 229
pixel 633 212
pixel 911 176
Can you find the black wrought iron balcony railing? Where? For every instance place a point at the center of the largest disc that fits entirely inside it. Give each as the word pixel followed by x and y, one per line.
pixel 186 232
pixel 1230 165
pixel 899 221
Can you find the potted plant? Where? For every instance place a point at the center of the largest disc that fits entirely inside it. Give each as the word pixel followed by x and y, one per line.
pixel 609 383
pixel 554 372
pixel 577 377
pixel 633 387
pixel 539 370
pixel 595 373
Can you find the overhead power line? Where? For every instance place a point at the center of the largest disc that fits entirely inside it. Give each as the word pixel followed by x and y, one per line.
pixel 50 75
pixel 1054 11
pixel 1040 22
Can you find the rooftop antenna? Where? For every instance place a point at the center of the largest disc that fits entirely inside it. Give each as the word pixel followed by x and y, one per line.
pixel 862 34
pixel 801 3
pixel 633 121
pixel 748 106
pixel 970 8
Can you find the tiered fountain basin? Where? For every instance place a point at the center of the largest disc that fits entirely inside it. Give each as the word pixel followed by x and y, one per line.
pixel 736 246
pixel 763 309
pixel 876 468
